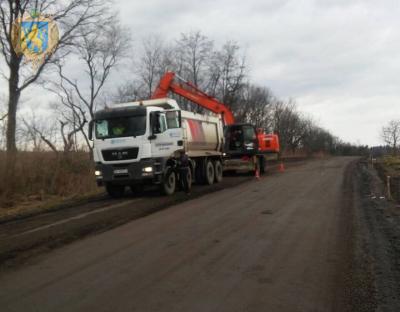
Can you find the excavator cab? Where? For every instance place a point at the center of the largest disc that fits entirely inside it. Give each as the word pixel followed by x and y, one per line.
pixel 267 143
pixel 240 140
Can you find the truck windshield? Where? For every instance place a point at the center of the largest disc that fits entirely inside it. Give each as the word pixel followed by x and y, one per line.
pixel 120 127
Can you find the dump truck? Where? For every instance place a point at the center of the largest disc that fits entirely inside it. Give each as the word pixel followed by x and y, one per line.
pixel 139 143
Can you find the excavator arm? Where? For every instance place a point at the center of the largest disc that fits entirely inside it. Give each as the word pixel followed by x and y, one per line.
pixel 193 94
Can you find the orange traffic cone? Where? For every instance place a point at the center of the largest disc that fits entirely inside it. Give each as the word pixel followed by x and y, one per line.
pixel 281 167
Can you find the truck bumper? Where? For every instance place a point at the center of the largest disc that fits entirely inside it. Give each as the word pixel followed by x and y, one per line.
pixel 130 173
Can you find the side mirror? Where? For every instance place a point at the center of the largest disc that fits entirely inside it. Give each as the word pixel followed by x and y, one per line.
pixel 91 130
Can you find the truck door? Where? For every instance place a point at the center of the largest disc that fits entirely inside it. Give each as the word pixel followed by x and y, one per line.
pixel 167 134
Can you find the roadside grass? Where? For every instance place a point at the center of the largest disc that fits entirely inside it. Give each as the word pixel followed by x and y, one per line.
pixel 392 164
pixel 41 178
pixel 388 168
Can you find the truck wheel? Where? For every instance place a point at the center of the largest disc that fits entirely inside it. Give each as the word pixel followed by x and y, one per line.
pixel 210 173
pixel 218 171
pixel 115 191
pixel 169 183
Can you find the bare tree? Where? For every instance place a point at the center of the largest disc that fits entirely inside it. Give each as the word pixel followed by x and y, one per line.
pixel 220 73
pixel 390 134
pixel 37 131
pixel 126 92
pixel 227 73
pixel 151 65
pixel 191 58
pixel 289 124
pixel 317 140
pixel 99 50
pixel 193 51
pixel 69 15
pixel 255 105
pixel 155 58
pixel 298 127
pixel 69 136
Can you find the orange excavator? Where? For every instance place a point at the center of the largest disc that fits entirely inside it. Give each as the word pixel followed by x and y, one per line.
pixel 246 148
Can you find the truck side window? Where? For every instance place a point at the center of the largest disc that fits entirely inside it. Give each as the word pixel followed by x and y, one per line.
pixel 101 128
pixel 172 119
pixel 159 123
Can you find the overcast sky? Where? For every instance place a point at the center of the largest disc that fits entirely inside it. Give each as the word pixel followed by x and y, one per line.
pixel 340 59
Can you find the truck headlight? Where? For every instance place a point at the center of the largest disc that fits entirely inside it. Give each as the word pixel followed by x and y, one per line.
pixel 97 173
pixel 148 169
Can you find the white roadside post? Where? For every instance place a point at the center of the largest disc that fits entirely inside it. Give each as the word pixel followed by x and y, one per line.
pixel 389 195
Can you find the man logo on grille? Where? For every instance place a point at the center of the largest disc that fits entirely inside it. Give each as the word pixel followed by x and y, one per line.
pixel 120 155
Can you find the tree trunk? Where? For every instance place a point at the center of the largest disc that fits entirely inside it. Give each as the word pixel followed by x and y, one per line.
pixel 11 144
pixel 13 98
pixel 12 120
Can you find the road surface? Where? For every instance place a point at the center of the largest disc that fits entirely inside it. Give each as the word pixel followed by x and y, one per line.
pixel 278 244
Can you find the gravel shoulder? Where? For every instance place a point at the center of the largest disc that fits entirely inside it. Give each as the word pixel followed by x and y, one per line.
pixel 376 244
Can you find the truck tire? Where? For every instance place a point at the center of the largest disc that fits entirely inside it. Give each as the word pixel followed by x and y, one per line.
pixel 115 191
pixel 209 173
pixel 168 184
pixel 219 171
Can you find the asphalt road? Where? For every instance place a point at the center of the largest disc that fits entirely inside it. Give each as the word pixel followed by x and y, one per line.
pixel 278 244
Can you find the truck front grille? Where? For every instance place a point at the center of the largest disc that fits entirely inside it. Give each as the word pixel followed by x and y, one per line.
pixel 120 154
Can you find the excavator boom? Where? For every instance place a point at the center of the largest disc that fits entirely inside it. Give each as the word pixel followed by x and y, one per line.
pixel 192 93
